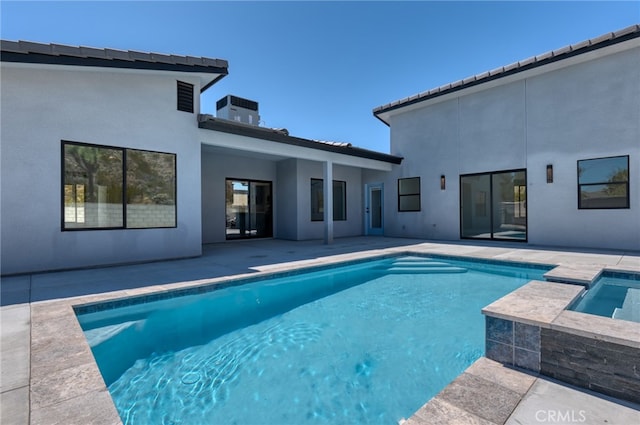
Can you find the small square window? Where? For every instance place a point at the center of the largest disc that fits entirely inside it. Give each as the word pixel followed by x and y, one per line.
pixel 409 194
pixel 603 183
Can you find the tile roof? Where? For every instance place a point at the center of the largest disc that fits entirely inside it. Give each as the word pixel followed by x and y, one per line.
pixel 58 54
pixel 334 143
pixel 529 63
pixel 206 121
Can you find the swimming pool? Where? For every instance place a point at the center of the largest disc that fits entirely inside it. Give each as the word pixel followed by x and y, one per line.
pixel 369 342
pixel 615 295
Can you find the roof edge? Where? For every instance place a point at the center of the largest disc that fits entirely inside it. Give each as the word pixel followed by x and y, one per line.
pixel 58 54
pixel 560 54
pixel 208 122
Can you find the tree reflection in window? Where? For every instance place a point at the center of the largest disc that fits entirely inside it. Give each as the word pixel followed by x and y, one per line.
pixel 150 189
pixel 603 183
pixel 93 186
pixel 95 181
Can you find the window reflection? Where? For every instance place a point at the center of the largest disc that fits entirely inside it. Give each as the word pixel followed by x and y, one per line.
pixel 248 209
pixel 339 200
pixel 494 205
pixel 151 194
pixel 603 183
pixel 92 187
pixel 409 194
pixel 95 178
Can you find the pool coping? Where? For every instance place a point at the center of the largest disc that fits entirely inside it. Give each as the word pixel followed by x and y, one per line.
pixel 207 286
pixel 490 390
pixel 490 393
pixel 65 383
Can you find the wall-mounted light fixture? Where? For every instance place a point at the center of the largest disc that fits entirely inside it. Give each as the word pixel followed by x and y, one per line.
pixel 549 173
pixel 443 182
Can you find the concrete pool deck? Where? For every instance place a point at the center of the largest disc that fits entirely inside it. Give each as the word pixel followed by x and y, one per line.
pixel 48 376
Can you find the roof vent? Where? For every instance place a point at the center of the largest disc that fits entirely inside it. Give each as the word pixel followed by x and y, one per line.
pixel 238 109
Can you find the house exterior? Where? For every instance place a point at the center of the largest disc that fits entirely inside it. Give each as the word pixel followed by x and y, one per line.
pixel 544 151
pixel 293 170
pixel 106 159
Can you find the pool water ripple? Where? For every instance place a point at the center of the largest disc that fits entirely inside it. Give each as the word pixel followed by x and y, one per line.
pixel 208 373
pixel 369 353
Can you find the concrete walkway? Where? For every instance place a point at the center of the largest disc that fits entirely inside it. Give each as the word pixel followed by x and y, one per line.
pixel 36 318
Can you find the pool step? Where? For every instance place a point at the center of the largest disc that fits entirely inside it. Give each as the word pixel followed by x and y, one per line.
pixel 630 309
pixel 421 265
pixel 425 270
pixel 99 335
pixel 410 258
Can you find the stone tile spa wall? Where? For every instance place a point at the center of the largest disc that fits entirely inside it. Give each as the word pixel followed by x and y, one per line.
pixel 606 367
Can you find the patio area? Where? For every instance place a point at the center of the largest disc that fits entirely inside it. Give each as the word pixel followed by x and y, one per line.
pixel 48 375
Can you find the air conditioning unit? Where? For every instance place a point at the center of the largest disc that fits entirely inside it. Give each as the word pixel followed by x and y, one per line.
pixel 238 109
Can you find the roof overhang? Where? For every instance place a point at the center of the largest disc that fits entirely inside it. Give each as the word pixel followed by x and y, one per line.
pixel 21 52
pixel 604 45
pixel 248 140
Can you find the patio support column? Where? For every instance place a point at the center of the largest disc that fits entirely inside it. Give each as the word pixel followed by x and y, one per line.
pixel 327 192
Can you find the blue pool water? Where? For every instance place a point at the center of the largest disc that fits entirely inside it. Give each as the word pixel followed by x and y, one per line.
pixel 615 295
pixel 365 343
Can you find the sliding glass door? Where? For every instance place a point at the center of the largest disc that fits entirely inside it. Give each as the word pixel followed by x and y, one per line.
pixel 494 205
pixel 476 206
pixel 248 209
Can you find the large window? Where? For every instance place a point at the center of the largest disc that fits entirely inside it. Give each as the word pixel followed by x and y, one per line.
pixel 494 205
pixel 603 183
pixel 409 194
pixel 339 200
pixel 114 188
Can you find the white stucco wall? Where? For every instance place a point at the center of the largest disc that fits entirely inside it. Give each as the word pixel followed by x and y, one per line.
pixel 587 111
pixel 40 107
pixel 429 144
pixel 287 171
pixel 556 116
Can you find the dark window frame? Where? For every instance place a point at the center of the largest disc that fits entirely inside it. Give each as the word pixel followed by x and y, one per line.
pixel 344 200
pixel 343 183
pixel 270 225
pixel 626 184
pixel 489 202
pixel 124 187
pixel 185 97
pixel 412 194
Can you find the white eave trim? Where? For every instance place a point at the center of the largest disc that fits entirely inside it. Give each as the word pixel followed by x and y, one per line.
pixel 249 144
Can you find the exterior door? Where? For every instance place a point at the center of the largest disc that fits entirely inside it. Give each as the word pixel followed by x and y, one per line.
pixel 248 209
pixel 494 205
pixel 373 211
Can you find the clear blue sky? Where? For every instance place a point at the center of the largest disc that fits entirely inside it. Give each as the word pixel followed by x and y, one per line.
pixel 319 68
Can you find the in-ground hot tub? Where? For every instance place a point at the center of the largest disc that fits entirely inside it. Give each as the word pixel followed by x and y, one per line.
pixel 615 295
